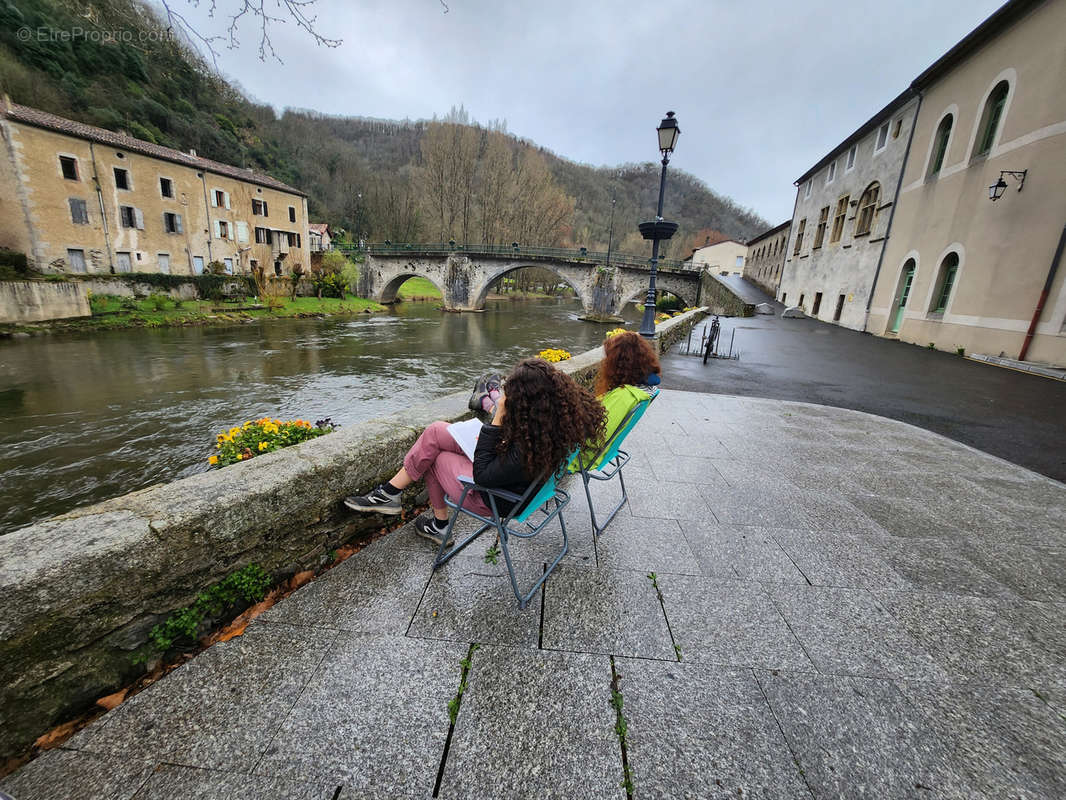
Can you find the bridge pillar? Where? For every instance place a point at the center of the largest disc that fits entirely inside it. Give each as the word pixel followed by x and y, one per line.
pixel 604 296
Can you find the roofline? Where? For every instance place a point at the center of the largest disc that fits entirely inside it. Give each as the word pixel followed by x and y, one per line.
pixel 1005 15
pixel 767 233
pixel 137 145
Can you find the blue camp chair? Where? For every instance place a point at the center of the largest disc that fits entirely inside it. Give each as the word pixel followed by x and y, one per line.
pixel 546 498
pixel 608 462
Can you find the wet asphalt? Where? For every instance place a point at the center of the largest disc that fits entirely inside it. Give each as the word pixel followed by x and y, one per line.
pixel 1010 414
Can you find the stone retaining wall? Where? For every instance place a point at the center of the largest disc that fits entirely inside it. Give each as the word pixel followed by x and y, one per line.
pixel 37 301
pixel 721 299
pixel 80 592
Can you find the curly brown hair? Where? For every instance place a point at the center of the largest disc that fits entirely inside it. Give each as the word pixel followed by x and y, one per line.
pixel 628 358
pixel 547 416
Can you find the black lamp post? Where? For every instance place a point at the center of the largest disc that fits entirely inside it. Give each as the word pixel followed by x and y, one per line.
pixel 659 229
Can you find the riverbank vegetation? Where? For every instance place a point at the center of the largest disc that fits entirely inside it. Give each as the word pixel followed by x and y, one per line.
pixel 256 437
pixel 418 289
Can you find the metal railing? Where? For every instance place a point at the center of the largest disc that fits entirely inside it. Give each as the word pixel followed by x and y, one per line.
pixel 578 255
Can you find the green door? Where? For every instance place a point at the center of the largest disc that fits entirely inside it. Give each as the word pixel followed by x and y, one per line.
pixel 903 295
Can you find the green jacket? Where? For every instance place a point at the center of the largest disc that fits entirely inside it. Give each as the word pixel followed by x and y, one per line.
pixel 618 402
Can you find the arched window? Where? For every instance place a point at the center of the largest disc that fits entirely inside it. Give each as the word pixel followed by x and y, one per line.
pixel 990 118
pixel 945 282
pixel 940 145
pixel 868 208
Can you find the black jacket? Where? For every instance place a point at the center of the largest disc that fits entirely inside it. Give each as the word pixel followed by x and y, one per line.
pixel 497 471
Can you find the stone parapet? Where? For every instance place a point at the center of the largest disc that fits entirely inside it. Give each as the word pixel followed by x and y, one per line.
pixel 37 301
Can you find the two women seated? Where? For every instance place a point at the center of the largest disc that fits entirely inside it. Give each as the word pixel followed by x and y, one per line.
pixel 539 419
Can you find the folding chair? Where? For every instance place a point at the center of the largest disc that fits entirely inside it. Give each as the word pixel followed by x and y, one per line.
pixel 609 461
pixel 525 505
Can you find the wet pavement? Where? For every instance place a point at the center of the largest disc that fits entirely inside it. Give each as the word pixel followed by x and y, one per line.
pixel 1016 416
pixel 798 601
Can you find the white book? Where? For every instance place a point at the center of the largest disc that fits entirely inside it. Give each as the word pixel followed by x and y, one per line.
pixel 465 434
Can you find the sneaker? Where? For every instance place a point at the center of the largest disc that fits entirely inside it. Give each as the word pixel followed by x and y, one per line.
pixel 484 385
pixel 426 528
pixel 377 500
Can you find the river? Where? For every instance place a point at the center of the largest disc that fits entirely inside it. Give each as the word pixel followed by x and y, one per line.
pixel 87 417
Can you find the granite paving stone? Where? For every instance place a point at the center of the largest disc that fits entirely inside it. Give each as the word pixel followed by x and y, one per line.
pixel 845 632
pixel 683 469
pixel 374 717
pixel 838 558
pixel 1009 741
pixel 614 612
pixel 170 782
pixel 651 545
pixel 661 500
pixel 761 507
pixel 729 623
pixel 681 443
pixel 699 731
pixel 735 551
pixel 983 639
pixel 904 516
pixel 471 601
pixel 939 566
pixel 75 775
pixel 218 710
pixel 861 737
pixel 535 724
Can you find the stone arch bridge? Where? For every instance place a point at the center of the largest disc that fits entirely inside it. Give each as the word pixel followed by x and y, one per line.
pixel 464 275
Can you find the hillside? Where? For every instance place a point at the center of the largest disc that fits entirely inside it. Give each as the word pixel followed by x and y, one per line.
pixel 372 178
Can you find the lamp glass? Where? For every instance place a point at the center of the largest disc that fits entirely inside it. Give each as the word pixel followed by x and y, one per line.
pixel 995 191
pixel 668 133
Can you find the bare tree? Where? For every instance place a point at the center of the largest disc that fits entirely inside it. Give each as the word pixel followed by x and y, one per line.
pixel 296 11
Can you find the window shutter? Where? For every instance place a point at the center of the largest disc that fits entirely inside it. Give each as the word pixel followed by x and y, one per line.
pixel 214 198
pixel 177 223
pixel 242 232
pixel 218 230
pixel 225 196
pixel 138 219
pixel 265 210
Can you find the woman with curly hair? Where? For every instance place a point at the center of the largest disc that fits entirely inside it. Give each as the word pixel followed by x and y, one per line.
pixel 539 420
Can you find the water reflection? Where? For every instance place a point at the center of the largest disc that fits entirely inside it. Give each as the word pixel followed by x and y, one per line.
pixel 85 418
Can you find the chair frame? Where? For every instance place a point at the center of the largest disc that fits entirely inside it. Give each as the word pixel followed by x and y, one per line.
pixel 611 458
pixel 539 496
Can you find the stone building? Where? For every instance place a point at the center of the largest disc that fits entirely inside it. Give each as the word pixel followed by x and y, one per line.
pixel 961 270
pixel 75 198
pixel 722 258
pixel 766 256
pixel 319 237
pixel 842 213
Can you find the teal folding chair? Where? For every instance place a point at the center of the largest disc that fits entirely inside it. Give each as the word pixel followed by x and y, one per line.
pixel 547 499
pixel 608 462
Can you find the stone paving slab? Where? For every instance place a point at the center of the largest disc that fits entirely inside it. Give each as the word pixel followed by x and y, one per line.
pixel 74 775
pixel 839 558
pixel 535 725
pixel 170 782
pixel 374 717
pixel 701 731
pixel 648 545
pixel 746 552
pixel 861 737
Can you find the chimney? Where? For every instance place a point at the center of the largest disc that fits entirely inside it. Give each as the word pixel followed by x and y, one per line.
pixel 707 241
pixel 192 152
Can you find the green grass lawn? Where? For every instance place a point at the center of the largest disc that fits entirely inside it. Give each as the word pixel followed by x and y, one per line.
pixel 418 287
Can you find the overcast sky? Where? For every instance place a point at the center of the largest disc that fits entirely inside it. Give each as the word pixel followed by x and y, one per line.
pixel 762 90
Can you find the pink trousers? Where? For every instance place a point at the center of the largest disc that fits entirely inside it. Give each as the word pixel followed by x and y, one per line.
pixel 437 458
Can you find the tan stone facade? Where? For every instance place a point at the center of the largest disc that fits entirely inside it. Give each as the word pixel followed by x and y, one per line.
pixel 766 257
pixel 959 270
pixel 722 258
pixel 80 199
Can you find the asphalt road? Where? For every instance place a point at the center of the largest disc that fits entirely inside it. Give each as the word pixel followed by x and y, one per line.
pixel 1013 415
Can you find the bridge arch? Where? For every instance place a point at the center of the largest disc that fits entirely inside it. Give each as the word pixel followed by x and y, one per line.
pixel 492 275
pixel 638 294
pixel 392 287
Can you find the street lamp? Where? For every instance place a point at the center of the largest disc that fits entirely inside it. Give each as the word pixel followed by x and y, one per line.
pixel 659 229
pixel 995 191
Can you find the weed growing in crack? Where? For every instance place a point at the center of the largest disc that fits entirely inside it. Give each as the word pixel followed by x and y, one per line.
pixel 677 651
pixel 455 702
pixel 492 555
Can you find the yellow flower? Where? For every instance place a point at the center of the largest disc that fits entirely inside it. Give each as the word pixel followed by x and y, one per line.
pixel 213 460
pixel 263 446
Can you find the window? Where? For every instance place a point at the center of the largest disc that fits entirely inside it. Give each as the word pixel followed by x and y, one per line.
pixel 949 267
pixel 799 237
pixel 76 259
pixel 831 173
pixel 807 190
pixel 823 220
pixel 839 309
pixel 277 268
pixel 991 117
pixel 221 229
pixel 940 145
pixel 800 304
pixel 163 259
pixel 262 236
pixel 851 158
pixel 242 232
pixel 122 262
pixel 172 223
pixel 294 241
pixel 166 187
pixel 882 138
pixel 897 128
pixel 198 265
pixel 228 262
pixel 867 209
pixel 740 259
pixel 79 213
pixel 839 217
pixel 817 304
pixel 783 296
pixel 122 178
pixel 259 208
pixel 292 213
pixel 70 167
pixel 130 217
pixel 220 198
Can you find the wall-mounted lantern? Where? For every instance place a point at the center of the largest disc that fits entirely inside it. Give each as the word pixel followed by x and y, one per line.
pixel 995 191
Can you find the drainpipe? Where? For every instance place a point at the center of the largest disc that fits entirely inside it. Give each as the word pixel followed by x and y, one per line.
pixel 1043 294
pixel 788 241
pixel 103 212
pixel 892 212
pixel 207 213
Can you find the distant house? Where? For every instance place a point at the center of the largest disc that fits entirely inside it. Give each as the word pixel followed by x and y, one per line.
pixel 766 255
pixel 319 236
pixel 722 258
